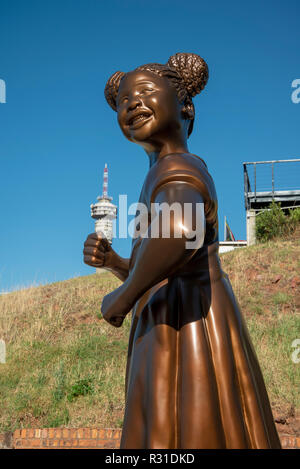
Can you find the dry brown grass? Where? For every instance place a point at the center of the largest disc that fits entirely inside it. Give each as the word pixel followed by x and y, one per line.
pixel 55 340
pixel 66 366
pixel 265 277
pixel 266 281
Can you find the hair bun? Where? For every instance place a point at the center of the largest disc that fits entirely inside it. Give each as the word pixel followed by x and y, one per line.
pixel 111 89
pixel 192 69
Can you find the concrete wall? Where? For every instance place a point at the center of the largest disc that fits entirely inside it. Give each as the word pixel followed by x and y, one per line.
pixel 250 224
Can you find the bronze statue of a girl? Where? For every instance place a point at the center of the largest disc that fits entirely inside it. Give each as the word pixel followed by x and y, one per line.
pixel 193 379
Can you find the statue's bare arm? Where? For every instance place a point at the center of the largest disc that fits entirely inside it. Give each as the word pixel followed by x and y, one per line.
pixel 159 257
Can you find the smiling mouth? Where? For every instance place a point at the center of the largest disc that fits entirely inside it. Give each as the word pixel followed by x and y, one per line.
pixel 138 120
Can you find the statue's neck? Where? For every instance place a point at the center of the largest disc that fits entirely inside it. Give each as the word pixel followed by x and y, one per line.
pixel 168 149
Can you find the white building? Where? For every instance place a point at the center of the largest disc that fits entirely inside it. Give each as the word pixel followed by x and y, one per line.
pixel 226 246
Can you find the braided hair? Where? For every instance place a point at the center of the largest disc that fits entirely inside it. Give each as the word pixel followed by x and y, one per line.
pixel 187 73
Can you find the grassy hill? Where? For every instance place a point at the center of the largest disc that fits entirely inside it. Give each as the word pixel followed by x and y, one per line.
pixel 66 366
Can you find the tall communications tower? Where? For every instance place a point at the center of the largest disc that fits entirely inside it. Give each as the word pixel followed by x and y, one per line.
pixel 104 211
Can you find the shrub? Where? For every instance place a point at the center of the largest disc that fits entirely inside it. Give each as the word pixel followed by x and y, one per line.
pixel 80 388
pixel 273 223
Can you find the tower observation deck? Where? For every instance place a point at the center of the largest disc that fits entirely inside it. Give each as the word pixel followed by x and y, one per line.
pixel 265 181
pixel 104 211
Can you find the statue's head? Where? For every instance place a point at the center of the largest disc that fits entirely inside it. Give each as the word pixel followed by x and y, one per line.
pixel 156 99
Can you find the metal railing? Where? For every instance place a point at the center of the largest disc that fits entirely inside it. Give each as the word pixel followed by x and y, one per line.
pixel 287 181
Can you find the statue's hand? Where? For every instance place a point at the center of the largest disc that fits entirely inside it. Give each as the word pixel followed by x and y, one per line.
pixel 116 306
pixel 98 252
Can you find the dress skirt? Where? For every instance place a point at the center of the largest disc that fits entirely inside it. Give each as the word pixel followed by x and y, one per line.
pixel 193 378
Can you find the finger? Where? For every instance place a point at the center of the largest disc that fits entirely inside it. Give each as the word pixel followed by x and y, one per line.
pixel 105 244
pixel 93 261
pixel 92 242
pixel 89 258
pixel 101 247
pixel 100 243
pixel 95 236
pixel 92 251
pixel 95 244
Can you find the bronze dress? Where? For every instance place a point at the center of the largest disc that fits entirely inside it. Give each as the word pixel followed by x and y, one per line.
pixel 193 379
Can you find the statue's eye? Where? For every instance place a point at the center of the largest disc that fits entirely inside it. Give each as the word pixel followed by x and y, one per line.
pixel 146 90
pixel 122 100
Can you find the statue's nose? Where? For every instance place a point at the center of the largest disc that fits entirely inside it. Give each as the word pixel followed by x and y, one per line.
pixel 133 103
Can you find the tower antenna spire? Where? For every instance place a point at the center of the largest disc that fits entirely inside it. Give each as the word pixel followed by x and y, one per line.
pixel 105 182
pixel 104 211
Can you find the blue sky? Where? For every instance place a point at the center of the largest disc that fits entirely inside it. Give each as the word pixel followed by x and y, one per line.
pixel 57 131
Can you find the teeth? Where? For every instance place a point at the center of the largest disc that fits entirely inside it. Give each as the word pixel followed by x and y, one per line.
pixel 138 118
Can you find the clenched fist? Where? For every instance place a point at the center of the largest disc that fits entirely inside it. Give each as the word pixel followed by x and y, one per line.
pixel 98 252
pixel 116 305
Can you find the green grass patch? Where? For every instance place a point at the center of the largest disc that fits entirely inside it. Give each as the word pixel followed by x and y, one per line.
pixel 66 365
pixel 281 298
pixel 273 340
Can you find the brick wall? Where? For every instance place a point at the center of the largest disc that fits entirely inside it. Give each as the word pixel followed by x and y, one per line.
pixel 56 438
pixel 83 438
pixel 290 442
pixel 6 440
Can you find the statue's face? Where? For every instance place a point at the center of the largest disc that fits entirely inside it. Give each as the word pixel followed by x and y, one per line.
pixel 148 108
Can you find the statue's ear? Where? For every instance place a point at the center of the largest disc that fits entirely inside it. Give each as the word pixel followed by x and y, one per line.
pixel 188 111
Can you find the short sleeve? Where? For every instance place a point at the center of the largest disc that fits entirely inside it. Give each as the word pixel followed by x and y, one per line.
pixel 190 170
